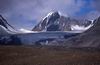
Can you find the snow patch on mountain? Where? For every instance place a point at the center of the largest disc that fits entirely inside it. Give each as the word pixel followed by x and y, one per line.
pixel 81 28
pixel 25 31
pixel 22 30
pixel 50 14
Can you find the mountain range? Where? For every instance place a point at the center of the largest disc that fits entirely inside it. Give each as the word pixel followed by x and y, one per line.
pixel 54 21
pixel 54 29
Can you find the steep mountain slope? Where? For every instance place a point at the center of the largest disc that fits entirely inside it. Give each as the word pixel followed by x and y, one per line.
pixel 54 21
pixel 3 31
pixel 5 27
pixel 4 23
pixel 90 38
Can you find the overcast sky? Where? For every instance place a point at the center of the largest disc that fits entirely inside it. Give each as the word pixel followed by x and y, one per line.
pixel 27 13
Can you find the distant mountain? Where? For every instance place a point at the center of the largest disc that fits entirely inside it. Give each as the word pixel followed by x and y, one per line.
pixel 54 21
pixel 90 38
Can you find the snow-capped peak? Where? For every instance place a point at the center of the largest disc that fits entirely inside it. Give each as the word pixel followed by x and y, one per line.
pixel 52 13
pixel 56 12
pixel 50 19
pixel 56 21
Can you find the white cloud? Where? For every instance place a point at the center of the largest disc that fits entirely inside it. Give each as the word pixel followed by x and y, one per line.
pixel 28 10
pixel 35 9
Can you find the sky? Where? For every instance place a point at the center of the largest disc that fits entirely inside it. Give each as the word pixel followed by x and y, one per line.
pixel 27 13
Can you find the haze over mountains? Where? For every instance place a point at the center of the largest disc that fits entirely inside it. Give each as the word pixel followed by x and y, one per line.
pixel 55 29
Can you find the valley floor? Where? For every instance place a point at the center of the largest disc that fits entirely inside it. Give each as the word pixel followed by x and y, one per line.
pixel 48 55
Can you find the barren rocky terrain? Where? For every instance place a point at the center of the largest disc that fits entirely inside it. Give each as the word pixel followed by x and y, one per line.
pixel 48 55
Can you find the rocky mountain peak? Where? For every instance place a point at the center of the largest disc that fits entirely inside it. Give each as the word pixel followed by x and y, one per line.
pixel 54 21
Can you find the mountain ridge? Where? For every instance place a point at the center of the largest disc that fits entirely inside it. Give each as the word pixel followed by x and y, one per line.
pixel 89 38
pixel 57 22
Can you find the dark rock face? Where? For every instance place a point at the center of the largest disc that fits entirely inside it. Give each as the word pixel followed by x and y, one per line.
pixel 57 22
pixel 53 28
pixel 2 21
pixel 90 38
pixel 53 18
